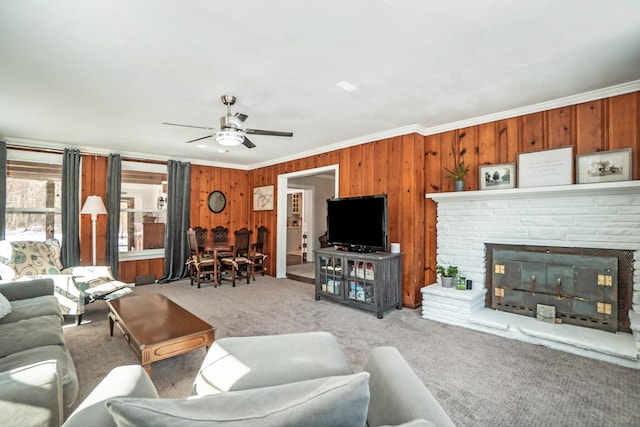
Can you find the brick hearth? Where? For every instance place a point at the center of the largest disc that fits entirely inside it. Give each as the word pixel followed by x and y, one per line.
pixel 605 215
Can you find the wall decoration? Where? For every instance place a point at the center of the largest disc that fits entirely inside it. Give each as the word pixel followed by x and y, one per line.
pixel 216 201
pixel 546 167
pixel 604 166
pixel 495 177
pixel 263 198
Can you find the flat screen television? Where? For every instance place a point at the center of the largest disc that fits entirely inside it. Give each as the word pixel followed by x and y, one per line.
pixel 358 224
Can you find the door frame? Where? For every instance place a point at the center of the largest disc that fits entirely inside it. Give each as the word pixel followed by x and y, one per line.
pixel 281 218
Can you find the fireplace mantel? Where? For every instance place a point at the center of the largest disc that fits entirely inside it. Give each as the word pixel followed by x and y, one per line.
pixel 596 189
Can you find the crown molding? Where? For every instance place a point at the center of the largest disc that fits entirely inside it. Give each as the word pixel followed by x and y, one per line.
pixel 593 95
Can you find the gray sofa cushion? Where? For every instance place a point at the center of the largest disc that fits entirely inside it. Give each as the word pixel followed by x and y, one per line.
pixel 332 401
pixel 5 306
pixel 397 394
pixel 241 363
pixel 29 395
pixel 30 333
pixel 123 381
pixel 68 376
pixel 33 307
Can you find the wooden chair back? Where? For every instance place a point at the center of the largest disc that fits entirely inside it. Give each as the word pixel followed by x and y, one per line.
pixel 242 242
pixel 220 236
pixel 201 237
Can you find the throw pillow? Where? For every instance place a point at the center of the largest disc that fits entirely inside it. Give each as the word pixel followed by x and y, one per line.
pixel 56 252
pixel 330 401
pixel 5 306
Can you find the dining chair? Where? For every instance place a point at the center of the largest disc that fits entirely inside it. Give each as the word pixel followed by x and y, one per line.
pixel 257 254
pixel 239 264
pixel 202 269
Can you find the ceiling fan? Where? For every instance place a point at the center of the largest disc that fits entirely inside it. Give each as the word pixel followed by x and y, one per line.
pixel 231 132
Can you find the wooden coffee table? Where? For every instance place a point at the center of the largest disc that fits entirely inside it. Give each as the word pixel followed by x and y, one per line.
pixel 157 328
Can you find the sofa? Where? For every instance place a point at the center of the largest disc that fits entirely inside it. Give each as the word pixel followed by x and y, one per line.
pixel 279 380
pixel 37 376
pixel 74 286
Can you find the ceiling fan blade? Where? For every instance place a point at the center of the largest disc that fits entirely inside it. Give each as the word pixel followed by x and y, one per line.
pixel 198 139
pixel 241 117
pixel 267 132
pixel 247 143
pixel 188 126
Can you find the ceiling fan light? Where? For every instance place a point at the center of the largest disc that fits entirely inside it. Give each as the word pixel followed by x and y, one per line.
pixel 229 138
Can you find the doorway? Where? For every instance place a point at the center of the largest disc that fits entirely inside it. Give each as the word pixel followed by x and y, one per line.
pixel 315 185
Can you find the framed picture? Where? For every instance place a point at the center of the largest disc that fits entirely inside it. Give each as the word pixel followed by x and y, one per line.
pixel 604 166
pixel 494 177
pixel 546 167
pixel 263 198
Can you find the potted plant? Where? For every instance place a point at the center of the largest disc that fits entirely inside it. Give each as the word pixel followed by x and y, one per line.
pixel 447 274
pixel 460 168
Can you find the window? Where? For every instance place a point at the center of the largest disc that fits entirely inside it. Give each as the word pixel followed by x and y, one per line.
pixel 143 203
pixel 34 182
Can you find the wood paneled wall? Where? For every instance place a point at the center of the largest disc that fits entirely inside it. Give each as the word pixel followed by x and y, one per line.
pixel 405 168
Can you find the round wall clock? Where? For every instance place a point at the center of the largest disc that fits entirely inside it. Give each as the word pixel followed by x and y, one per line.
pixel 216 201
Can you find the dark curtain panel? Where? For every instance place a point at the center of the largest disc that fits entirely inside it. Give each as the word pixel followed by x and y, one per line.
pixel 70 208
pixel 3 187
pixel 114 174
pixel 176 250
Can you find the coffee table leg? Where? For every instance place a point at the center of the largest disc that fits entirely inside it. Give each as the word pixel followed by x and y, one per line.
pixel 111 322
pixel 147 369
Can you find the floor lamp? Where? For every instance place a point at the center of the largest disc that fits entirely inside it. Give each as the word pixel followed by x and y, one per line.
pixel 94 206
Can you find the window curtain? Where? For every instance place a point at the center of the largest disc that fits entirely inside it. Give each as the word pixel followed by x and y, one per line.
pixel 3 187
pixel 176 250
pixel 114 179
pixel 70 255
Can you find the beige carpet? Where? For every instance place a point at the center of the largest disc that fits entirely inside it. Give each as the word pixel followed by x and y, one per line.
pixel 480 379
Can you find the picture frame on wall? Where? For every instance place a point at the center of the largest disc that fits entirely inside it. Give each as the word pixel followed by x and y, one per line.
pixel 604 166
pixel 546 167
pixel 497 177
pixel 263 198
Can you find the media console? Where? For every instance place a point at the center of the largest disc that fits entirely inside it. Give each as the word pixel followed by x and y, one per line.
pixel 370 281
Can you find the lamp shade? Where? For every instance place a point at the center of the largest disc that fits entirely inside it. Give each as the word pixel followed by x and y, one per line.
pixel 93 205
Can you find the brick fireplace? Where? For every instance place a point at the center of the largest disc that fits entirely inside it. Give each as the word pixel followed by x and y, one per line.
pixel 603 216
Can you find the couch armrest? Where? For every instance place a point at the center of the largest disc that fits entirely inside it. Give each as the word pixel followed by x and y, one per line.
pixel 123 381
pixel 27 289
pixel 397 394
pixel 31 395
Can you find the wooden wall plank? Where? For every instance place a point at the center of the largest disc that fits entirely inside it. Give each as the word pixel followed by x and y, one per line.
pixel 533 132
pixel 559 127
pixel 589 127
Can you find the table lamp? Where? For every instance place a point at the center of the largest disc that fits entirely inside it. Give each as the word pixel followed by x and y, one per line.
pixel 94 206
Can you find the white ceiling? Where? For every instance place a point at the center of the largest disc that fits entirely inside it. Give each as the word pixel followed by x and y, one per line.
pixel 103 75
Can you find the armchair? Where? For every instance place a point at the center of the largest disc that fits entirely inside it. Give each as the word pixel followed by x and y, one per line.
pixel 74 286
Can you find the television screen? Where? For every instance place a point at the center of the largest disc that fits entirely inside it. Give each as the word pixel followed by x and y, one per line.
pixel 358 223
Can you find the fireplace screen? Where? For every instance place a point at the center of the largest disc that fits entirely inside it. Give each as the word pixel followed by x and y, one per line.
pixel 583 289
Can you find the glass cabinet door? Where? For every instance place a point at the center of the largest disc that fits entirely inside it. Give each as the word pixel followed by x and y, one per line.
pixel 360 281
pixel 331 280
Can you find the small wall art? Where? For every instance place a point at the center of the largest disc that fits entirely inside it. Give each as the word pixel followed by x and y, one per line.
pixel 546 167
pixel 604 166
pixel 495 177
pixel 263 198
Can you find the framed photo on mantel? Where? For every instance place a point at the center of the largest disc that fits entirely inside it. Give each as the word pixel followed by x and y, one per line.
pixel 497 177
pixel 604 166
pixel 546 167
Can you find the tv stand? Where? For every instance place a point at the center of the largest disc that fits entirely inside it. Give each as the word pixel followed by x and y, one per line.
pixel 370 281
